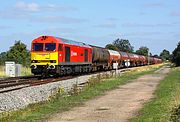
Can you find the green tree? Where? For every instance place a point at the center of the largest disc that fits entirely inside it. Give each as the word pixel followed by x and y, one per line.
pixel 3 58
pixel 123 45
pixel 176 55
pixel 165 55
pixel 156 56
pixel 19 53
pixel 111 47
pixel 150 54
pixel 143 50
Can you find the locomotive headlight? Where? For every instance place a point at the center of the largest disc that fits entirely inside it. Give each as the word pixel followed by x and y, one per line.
pixel 53 61
pixel 34 61
pixel 33 66
pixel 52 67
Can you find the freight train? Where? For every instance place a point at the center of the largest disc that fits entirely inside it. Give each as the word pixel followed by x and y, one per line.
pixel 58 56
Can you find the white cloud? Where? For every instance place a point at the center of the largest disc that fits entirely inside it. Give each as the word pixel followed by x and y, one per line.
pixel 177 35
pixel 58 19
pixel 148 25
pixel 112 19
pixel 25 11
pixel 106 25
pixel 33 7
pixel 53 7
pixel 56 30
pixel 153 5
pixel 175 13
pixel 2 27
pixel 138 33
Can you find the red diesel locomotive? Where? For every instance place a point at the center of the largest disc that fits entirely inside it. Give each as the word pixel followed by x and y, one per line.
pixel 58 56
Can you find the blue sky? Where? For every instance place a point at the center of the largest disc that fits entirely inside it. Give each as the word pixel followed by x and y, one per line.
pixel 155 23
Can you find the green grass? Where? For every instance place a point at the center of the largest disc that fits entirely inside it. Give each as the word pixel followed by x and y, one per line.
pixel 25 71
pixel 167 96
pixel 42 111
pixel 2 71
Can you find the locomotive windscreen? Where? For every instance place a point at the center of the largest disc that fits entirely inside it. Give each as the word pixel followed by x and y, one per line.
pixel 38 47
pixel 50 46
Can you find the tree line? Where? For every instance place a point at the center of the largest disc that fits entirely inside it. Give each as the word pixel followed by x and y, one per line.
pixel 17 53
pixel 125 46
pixel 20 54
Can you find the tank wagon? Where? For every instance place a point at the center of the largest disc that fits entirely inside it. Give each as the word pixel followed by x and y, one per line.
pixel 133 59
pixel 156 60
pixel 143 60
pixel 58 56
pixel 100 58
pixel 115 57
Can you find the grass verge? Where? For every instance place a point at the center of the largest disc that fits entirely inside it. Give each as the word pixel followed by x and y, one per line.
pixel 25 71
pixel 167 96
pixel 59 103
pixel 2 71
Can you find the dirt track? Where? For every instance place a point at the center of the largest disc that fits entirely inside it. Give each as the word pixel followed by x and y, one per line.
pixel 118 105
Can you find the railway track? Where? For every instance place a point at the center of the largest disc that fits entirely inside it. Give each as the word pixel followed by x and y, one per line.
pixel 16 83
pixel 10 84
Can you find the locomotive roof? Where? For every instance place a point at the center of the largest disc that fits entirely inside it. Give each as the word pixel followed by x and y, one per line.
pixel 68 41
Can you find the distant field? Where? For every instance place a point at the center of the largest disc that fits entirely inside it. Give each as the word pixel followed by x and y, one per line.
pixel 24 71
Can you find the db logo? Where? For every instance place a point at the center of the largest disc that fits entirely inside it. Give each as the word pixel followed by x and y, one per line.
pixel 73 53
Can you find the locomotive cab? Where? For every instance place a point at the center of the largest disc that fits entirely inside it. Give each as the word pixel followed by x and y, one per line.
pixel 44 55
pixel 57 56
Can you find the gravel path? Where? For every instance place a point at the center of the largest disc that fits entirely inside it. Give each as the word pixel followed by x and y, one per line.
pixel 118 105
